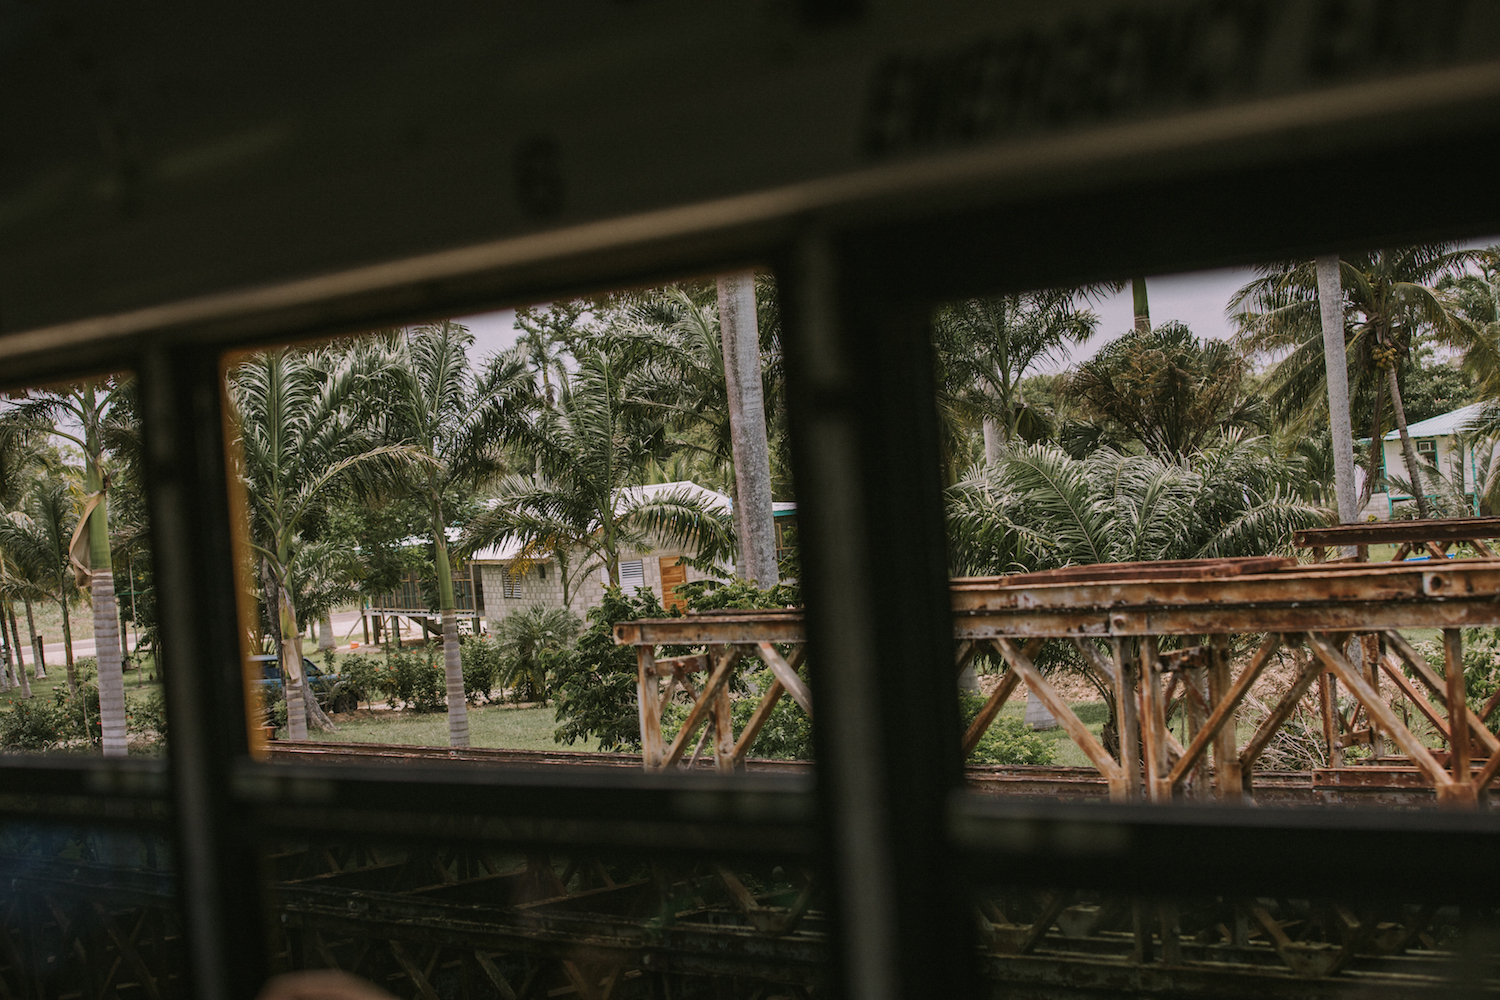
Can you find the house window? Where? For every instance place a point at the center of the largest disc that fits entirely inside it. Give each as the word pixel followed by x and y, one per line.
pixel 632 575
pixel 510 584
pixel 541 571
pixel 1427 449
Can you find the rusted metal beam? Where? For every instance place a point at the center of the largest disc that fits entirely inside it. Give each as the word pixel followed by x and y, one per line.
pixel 1224 709
pixel 787 674
pixel 1460 529
pixel 698 714
pixel 1379 711
pixel 1047 695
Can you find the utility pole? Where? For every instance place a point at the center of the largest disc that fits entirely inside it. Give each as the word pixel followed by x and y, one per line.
pixel 747 428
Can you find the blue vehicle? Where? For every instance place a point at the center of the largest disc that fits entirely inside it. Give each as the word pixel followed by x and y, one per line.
pixel 331 690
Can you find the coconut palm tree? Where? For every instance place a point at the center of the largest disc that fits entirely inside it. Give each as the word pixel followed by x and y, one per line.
pixel 96 418
pixel 585 506
pixel 304 426
pixel 1391 301
pixel 435 404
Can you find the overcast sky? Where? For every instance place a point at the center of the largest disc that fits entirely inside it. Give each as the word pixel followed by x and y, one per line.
pixel 1197 299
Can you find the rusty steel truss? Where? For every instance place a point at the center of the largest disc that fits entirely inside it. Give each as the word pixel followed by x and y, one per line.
pixel 1149 633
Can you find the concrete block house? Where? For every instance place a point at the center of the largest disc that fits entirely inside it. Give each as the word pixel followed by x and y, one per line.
pixel 510 584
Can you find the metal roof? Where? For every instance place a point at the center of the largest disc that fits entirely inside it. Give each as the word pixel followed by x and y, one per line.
pixel 1453 422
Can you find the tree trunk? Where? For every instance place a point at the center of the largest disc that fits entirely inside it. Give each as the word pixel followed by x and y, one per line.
pixel 326 640
pixel 453 670
pixel 1408 450
pixel 68 646
pixel 107 649
pixel 994 441
pixel 453 677
pixel 1377 445
pixel 18 660
pixel 747 428
pixel 1336 364
pixel 1142 305
pixel 38 653
pixel 36 650
pixel 291 667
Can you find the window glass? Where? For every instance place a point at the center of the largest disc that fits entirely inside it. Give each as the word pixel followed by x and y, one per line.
pixel 488 919
pixel 450 530
pixel 88 911
pixel 78 646
pixel 1150 601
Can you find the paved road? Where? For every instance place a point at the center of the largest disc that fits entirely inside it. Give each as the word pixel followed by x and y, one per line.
pixel 346 629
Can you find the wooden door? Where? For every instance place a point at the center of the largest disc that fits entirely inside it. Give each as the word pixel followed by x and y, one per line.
pixel 672 575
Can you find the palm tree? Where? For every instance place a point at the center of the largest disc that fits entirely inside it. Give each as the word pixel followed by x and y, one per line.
pixel 1391 300
pixel 1039 508
pixel 1168 389
pixel 53 517
pixel 303 423
pixel 593 449
pixel 986 347
pixel 36 536
pixel 530 641
pixel 96 418
pixel 436 406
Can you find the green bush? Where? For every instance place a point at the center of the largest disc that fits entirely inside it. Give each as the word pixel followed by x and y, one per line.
pixel 151 713
pixel 30 725
pixel 78 714
pixel 362 676
pixel 1007 741
pixel 415 680
pixel 596 682
pixel 481 665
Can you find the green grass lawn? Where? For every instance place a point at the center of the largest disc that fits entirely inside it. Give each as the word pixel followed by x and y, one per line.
pixel 502 726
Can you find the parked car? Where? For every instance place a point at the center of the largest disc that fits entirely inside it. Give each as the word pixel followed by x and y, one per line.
pixel 331 690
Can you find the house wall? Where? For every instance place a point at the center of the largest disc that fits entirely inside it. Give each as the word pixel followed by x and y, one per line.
pixel 588 590
pixel 1449 459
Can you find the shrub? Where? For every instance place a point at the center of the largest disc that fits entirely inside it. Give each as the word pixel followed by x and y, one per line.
pixel 151 713
pixel 596 682
pixel 361 676
pixel 415 680
pixel 79 714
pixel 30 725
pixel 1007 741
pixel 531 643
pixel 481 665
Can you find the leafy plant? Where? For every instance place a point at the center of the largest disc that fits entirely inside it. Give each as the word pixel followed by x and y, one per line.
pixel 30 725
pixel 362 675
pixel 1007 741
pixel 481 668
pixel 596 683
pixel 151 713
pixel 415 680
pixel 531 643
